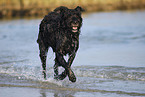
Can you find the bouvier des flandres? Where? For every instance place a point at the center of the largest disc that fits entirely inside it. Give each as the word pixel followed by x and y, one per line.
pixel 60 30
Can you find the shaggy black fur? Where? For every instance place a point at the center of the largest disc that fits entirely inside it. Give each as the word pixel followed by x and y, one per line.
pixel 60 30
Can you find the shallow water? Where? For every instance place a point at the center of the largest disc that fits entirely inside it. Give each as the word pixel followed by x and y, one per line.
pixel 110 61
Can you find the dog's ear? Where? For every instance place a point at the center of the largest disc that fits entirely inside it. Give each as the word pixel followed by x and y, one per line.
pixel 60 9
pixel 78 8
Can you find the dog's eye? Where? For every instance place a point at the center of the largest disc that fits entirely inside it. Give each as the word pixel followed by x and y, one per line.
pixel 78 14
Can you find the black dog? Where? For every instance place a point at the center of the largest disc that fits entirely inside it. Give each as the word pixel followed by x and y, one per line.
pixel 60 30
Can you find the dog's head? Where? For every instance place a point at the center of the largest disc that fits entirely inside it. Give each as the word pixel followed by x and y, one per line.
pixel 71 18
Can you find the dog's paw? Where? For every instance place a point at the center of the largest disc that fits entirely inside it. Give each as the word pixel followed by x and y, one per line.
pixel 61 76
pixel 71 76
pixel 44 74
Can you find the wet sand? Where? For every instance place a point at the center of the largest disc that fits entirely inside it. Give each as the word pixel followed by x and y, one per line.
pixel 36 92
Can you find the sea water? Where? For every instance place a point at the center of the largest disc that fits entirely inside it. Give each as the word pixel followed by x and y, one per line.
pixel 110 60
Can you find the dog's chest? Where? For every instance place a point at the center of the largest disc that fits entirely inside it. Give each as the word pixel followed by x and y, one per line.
pixel 69 45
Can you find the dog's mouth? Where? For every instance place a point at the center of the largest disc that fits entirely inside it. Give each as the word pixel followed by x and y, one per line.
pixel 75 28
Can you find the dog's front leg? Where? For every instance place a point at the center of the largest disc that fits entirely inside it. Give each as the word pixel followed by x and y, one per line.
pixel 64 73
pixel 71 58
pixel 64 64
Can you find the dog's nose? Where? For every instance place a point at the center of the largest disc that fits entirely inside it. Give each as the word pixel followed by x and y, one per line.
pixel 74 19
pixel 75 22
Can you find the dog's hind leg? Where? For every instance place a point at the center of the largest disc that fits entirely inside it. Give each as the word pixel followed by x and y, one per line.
pixel 56 68
pixel 43 55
